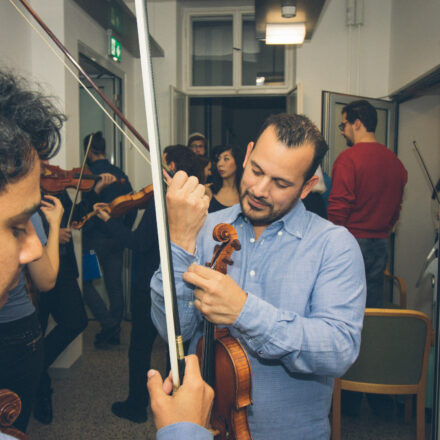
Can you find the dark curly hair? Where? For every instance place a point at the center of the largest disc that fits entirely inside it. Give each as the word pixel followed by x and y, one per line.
pixel 238 155
pixel 29 122
pixel 185 160
pixel 295 131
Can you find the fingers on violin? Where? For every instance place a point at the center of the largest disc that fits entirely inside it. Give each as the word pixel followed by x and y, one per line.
pixel 45 202
pixel 99 206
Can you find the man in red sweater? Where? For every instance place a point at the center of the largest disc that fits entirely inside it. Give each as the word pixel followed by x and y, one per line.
pixel 367 187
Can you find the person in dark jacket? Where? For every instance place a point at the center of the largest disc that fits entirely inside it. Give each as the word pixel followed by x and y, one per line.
pixel 108 250
pixel 144 243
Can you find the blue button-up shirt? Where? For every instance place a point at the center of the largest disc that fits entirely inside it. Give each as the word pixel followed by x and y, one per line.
pixel 302 320
pixel 183 431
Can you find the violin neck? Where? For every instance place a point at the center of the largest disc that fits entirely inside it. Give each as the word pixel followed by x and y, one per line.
pixel 208 368
pixel 87 176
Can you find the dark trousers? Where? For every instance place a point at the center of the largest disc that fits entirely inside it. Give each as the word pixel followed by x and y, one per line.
pixel 64 302
pixel 143 334
pixel 375 253
pixel 110 256
pixel 21 362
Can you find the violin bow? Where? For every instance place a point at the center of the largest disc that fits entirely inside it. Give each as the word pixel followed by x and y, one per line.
pixel 175 342
pixel 427 172
pixel 79 180
pixel 70 57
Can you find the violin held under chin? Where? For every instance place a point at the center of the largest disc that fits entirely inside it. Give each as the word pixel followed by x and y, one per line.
pixel 55 180
pixel 119 206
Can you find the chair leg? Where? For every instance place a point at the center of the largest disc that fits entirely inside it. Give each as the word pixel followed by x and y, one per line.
pixel 408 408
pixel 421 415
pixel 336 411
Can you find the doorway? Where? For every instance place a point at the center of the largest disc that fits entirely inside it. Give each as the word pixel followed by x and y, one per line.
pixel 232 120
pixel 92 118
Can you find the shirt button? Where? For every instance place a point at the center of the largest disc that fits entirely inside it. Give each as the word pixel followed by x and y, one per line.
pixel 252 273
pixel 252 240
pixel 191 303
pixel 280 232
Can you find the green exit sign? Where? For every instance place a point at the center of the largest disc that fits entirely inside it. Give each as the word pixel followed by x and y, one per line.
pixel 115 49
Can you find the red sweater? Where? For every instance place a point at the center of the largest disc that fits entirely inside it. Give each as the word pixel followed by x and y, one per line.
pixel 367 188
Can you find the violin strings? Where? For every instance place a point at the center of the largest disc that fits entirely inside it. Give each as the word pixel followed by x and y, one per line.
pixel 137 148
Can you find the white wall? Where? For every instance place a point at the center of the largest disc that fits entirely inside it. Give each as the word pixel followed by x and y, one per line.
pixel 330 60
pixel 419 121
pixel 415 40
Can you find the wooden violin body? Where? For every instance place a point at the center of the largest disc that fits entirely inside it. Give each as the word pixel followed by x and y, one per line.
pixel 55 180
pixel 121 205
pixel 225 363
pixel 233 387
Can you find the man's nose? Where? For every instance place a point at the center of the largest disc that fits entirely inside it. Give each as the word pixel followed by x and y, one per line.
pixel 261 188
pixel 31 248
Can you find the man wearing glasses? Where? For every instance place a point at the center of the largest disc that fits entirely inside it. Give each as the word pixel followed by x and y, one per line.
pixel 197 142
pixel 367 187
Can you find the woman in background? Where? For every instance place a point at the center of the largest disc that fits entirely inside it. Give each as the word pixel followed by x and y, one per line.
pixel 226 177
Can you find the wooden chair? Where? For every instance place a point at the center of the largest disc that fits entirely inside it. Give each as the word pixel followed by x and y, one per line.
pixel 10 407
pixel 393 359
pixel 400 284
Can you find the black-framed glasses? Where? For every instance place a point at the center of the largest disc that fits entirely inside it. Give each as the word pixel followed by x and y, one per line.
pixel 341 126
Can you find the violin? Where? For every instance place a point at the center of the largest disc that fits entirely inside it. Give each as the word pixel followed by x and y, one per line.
pixel 121 205
pixel 55 180
pixel 225 363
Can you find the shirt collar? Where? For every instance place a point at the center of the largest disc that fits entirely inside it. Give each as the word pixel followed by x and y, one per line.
pixel 294 222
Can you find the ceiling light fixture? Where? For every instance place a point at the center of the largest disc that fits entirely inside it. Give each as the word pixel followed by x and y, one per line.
pixel 285 33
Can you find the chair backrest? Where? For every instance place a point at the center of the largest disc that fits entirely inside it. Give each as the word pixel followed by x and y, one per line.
pixel 394 348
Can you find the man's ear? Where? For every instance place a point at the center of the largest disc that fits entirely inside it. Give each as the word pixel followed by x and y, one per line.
pixel 249 149
pixel 357 124
pixel 308 186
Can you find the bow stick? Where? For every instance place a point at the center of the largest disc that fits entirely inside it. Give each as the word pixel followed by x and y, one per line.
pixel 70 57
pixel 427 172
pixel 175 342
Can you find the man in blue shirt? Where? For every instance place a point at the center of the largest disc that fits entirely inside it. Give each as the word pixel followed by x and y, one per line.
pixel 295 295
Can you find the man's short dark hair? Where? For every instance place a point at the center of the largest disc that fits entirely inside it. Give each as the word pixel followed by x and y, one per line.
pixel 185 160
pixel 29 122
pixel 296 131
pixel 98 142
pixel 363 111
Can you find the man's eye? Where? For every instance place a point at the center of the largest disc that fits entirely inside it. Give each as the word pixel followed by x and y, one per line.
pixel 18 231
pixel 256 172
pixel 281 185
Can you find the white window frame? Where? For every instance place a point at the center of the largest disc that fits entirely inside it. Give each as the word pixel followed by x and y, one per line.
pixel 236 88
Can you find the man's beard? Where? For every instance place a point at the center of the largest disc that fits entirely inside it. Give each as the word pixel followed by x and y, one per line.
pixel 271 217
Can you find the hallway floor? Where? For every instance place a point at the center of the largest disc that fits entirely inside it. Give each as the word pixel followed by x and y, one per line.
pixel 82 401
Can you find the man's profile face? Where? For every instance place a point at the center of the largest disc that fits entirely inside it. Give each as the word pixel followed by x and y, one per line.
pixel 273 178
pixel 347 130
pixel 198 147
pixel 19 242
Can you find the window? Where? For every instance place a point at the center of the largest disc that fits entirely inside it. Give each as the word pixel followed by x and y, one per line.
pixel 212 51
pixel 261 64
pixel 221 55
